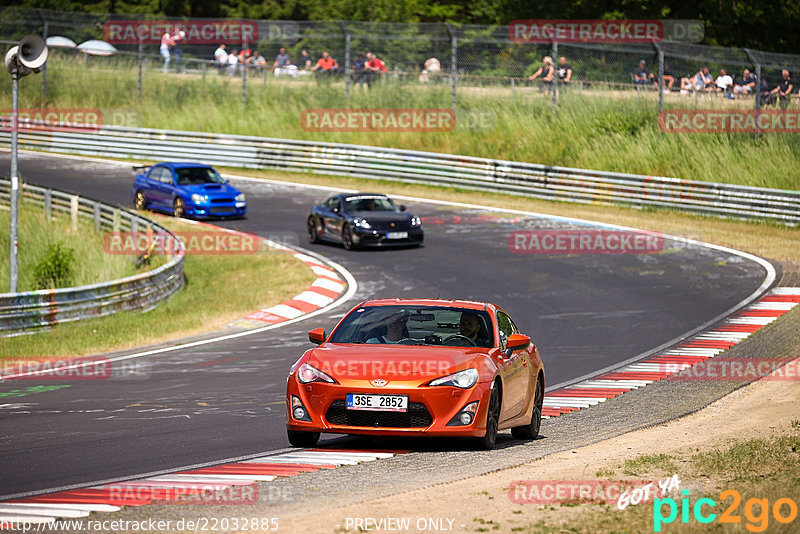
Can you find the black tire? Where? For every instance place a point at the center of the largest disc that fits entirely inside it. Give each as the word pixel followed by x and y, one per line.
pixel 347 238
pixel 302 439
pixel 177 208
pixel 531 430
pixel 140 203
pixel 488 441
pixel 313 236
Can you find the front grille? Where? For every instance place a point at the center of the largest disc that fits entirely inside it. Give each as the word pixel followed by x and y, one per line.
pixel 417 416
pixel 228 209
pixel 221 200
pixel 386 227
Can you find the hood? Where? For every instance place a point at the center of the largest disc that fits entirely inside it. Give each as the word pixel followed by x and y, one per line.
pixel 212 190
pixel 383 216
pixel 391 362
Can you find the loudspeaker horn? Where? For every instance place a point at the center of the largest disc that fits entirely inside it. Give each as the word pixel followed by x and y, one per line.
pixel 32 52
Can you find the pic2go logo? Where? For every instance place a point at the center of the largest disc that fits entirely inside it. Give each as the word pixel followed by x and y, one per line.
pixel 756 511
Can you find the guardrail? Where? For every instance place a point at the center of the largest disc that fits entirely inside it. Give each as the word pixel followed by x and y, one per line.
pixel 35 309
pixel 528 179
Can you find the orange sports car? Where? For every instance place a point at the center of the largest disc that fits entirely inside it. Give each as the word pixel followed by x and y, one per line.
pixel 417 368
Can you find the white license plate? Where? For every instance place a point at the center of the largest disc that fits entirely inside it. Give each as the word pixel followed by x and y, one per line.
pixel 396 235
pixel 377 403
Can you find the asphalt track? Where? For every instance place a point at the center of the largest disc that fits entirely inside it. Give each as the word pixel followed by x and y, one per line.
pixel 223 400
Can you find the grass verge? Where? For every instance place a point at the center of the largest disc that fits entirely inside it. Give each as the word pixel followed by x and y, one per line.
pixel 745 479
pixel 35 234
pixel 594 129
pixel 220 289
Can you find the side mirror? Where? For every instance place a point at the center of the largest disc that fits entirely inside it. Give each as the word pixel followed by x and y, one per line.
pixel 402 207
pixel 317 336
pixel 517 342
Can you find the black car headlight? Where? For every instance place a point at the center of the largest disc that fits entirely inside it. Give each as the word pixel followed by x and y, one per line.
pixel 360 222
pixel 416 221
pixel 463 379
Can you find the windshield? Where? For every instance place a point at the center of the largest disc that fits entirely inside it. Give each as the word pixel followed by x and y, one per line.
pixel 198 175
pixel 368 203
pixel 416 325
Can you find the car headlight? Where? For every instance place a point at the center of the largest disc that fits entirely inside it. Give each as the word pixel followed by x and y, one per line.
pixel 199 199
pixel 240 197
pixel 416 221
pixel 361 223
pixel 463 379
pixel 308 373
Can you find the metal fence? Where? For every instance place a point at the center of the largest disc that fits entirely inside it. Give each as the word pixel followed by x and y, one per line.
pixel 528 179
pixel 469 56
pixel 35 309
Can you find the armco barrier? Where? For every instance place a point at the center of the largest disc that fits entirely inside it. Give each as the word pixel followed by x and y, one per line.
pixel 34 309
pixel 529 179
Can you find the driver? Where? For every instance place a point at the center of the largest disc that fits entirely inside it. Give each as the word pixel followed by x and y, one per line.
pixel 395 329
pixel 470 327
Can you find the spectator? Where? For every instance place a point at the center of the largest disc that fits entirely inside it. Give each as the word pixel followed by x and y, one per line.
pixel 746 84
pixel 642 76
pixel 257 62
pixel 178 38
pixel 702 81
pixel 546 71
pixel 564 71
pixel 374 68
pixel 166 44
pixel 723 83
pixel 221 58
pixel 289 69
pixel 233 63
pixel 669 78
pixel 431 66
pixel 326 66
pixel 281 60
pixel 305 61
pixel 784 89
pixel 359 69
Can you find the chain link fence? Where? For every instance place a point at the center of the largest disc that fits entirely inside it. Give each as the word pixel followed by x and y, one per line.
pixel 453 58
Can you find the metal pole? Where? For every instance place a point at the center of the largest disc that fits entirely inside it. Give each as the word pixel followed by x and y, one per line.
pixel 141 59
pixel 244 72
pixel 12 267
pixel 660 78
pixel 44 67
pixel 347 38
pixel 757 90
pixel 453 63
pixel 555 77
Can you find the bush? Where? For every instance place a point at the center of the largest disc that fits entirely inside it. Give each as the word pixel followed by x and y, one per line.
pixel 55 269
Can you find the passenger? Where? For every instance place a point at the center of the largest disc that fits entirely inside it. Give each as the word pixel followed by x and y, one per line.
pixel 395 329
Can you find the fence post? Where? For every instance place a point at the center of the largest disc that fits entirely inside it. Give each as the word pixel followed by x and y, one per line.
pixel 204 71
pixel 660 82
pixel 96 216
pixel 44 67
pixel 140 59
pixel 757 90
pixel 347 38
pixel 244 72
pixel 555 77
pixel 73 212
pixel 48 204
pixel 453 62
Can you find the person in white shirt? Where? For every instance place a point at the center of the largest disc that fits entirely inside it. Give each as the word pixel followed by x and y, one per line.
pixel 166 44
pixel 233 61
pixel 221 58
pixel 723 82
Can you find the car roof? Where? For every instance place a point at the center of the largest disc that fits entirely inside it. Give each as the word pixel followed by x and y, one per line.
pixel 182 165
pixel 362 194
pixel 469 304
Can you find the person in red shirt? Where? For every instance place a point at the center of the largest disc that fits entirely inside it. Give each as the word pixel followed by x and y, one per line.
pixel 374 67
pixel 326 66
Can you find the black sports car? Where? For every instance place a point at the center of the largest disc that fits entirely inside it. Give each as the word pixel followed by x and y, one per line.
pixel 364 220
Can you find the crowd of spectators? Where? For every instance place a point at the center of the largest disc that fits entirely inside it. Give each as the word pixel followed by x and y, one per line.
pixel 703 82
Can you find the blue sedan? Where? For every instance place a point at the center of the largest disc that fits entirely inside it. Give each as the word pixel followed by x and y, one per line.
pixel 187 190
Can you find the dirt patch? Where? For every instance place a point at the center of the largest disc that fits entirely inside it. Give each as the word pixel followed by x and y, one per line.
pixel 482 504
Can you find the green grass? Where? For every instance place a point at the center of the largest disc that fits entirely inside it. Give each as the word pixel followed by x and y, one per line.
pixel 608 130
pixel 220 289
pixel 35 234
